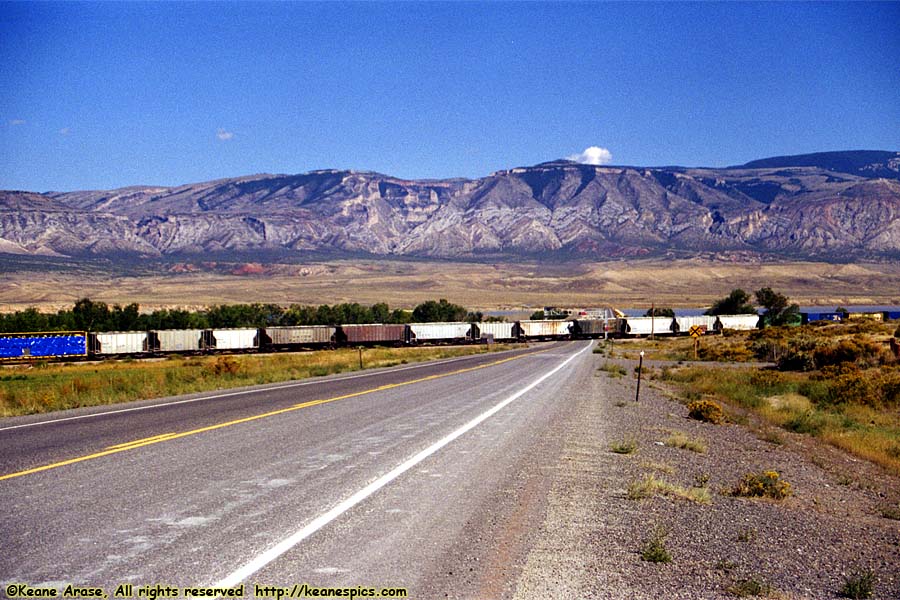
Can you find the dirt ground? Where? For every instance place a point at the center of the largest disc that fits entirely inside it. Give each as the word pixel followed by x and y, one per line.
pixel 55 284
pixel 805 546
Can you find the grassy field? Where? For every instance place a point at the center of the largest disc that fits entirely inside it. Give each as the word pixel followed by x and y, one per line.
pixel 58 386
pixel 839 383
pixel 476 285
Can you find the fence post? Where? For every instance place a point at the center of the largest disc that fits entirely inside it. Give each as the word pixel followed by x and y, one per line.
pixel 637 393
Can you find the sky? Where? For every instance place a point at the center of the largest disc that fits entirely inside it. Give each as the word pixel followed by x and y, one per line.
pixel 105 95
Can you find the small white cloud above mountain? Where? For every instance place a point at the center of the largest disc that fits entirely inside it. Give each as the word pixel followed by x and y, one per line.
pixel 594 155
pixel 223 135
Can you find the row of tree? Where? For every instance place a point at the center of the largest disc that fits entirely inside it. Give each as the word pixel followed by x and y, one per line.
pixel 778 308
pixel 90 315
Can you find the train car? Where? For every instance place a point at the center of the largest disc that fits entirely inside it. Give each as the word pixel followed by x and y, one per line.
pixel 119 342
pixel 706 323
pixel 373 334
pixel 812 317
pixel 440 332
pixel 593 328
pixel 298 335
pixel 241 338
pixel 500 331
pixel 873 316
pixel 649 326
pixel 176 340
pixel 58 344
pixel 891 315
pixel 544 329
pixel 737 322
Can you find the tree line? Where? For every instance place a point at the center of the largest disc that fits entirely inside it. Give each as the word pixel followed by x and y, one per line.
pixel 778 309
pixel 91 315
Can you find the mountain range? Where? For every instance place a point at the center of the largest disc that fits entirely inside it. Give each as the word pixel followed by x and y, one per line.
pixel 832 205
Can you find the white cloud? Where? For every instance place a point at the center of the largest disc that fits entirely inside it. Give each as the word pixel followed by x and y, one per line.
pixel 16 122
pixel 65 131
pixel 224 135
pixel 594 155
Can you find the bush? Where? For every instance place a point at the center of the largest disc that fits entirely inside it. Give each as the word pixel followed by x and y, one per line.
pixel 225 365
pixel 796 359
pixel 859 585
pixel 750 587
pixel 654 549
pixel 613 369
pixel 809 422
pixel 706 410
pixel 855 350
pixel 767 484
pixel 628 446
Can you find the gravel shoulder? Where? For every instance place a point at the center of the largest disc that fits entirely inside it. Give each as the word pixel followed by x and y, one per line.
pixel 588 543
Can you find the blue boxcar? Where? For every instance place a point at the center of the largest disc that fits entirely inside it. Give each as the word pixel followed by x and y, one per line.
pixel 822 316
pixel 42 345
pixel 891 315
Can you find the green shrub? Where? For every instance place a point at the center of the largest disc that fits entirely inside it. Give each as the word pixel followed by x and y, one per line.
pixel 706 410
pixel 654 549
pixel 750 587
pixel 627 446
pixel 810 422
pixel 817 391
pixel 613 369
pixel 767 484
pixel 859 585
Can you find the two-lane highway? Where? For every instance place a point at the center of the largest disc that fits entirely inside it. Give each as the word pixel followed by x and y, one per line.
pixel 369 479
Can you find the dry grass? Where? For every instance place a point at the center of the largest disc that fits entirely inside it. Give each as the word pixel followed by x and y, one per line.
pixel 61 386
pixel 651 486
pixel 679 439
pixel 872 433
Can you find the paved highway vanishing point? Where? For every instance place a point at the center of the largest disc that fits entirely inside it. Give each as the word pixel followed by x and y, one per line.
pixel 383 479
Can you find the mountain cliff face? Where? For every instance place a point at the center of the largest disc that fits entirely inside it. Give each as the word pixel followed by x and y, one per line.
pixel 818 206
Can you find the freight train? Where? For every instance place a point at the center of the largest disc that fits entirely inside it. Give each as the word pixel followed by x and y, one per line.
pixel 80 344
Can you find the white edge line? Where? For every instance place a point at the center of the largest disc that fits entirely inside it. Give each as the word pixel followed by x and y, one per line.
pixel 324 519
pixel 241 392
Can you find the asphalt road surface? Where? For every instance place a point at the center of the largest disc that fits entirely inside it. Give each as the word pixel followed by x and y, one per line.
pixel 424 477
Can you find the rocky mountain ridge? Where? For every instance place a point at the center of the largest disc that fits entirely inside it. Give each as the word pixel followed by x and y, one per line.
pixel 827 205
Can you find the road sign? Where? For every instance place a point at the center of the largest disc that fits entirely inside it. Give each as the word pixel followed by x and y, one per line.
pixel 696 331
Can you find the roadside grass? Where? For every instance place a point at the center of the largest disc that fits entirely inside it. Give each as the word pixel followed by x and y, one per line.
pixel 782 399
pixel 731 347
pixel 613 369
pixel 651 486
pixel 59 386
pixel 679 439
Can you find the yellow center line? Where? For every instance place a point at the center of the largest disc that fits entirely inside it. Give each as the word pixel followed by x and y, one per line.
pixel 133 442
pixel 174 436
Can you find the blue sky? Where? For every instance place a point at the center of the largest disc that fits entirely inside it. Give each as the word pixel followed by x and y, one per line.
pixel 102 95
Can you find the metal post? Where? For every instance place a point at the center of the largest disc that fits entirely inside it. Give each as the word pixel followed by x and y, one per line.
pixel 637 393
pixel 360 358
